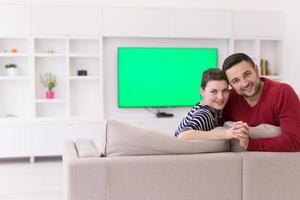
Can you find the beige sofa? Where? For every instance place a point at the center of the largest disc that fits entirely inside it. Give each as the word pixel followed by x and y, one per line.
pixel 210 176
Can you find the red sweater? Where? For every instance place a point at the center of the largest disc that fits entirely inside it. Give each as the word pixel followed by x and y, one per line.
pixel 279 105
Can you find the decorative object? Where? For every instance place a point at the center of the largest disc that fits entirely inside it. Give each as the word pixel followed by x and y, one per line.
pixel 14 50
pixel 82 72
pixel 48 80
pixel 11 69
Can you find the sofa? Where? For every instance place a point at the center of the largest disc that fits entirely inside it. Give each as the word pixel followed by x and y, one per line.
pixel 137 164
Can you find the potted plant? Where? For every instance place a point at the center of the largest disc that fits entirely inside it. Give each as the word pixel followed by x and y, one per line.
pixel 48 80
pixel 11 69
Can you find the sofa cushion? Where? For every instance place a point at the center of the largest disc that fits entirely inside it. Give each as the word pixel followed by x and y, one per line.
pixel 127 140
pixel 260 131
pixel 86 148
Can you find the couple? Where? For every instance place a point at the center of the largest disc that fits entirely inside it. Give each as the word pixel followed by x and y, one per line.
pixel 251 101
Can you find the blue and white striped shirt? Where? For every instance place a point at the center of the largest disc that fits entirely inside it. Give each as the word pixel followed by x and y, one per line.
pixel 202 118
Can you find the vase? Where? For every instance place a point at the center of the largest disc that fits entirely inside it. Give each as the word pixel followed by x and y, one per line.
pixel 12 71
pixel 49 94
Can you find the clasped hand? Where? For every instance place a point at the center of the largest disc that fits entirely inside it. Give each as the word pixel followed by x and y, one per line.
pixel 239 130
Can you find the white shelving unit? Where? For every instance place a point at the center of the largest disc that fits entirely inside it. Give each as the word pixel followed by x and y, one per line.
pixel 23 96
pixel 33 125
pixel 85 91
pixel 15 101
pixel 260 48
pixel 75 96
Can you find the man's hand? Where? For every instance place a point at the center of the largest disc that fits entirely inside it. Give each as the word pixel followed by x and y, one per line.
pixel 242 130
pixel 244 142
pixel 238 130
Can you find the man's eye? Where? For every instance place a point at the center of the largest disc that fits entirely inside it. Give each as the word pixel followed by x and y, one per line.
pixel 214 92
pixel 235 82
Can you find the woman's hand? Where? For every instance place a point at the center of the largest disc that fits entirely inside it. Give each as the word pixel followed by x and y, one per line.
pixel 238 130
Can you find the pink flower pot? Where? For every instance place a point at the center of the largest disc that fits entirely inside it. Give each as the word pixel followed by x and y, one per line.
pixel 49 94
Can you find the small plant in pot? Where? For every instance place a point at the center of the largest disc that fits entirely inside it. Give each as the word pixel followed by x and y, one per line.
pixel 11 69
pixel 48 80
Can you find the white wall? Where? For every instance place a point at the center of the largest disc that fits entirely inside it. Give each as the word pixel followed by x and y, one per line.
pixel 205 4
pixel 291 44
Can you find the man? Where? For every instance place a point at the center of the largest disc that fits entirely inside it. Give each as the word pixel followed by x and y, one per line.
pixel 257 101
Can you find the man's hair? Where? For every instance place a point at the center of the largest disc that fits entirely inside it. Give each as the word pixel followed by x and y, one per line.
pixel 235 59
pixel 212 74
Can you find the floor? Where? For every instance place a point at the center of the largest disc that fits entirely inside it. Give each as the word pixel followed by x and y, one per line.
pixel 22 180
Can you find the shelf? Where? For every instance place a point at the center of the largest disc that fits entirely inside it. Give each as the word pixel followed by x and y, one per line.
pixel 45 101
pixel 84 77
pixel 49 55
pixel 15 78
pixel 13 55
pixel 75 55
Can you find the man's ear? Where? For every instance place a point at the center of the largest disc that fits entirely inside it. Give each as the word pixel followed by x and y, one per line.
pixel 256 70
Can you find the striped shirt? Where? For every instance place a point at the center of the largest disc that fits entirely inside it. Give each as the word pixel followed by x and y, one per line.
pixel 202 118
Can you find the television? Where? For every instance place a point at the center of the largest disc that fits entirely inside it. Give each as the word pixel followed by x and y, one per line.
pixel 162 77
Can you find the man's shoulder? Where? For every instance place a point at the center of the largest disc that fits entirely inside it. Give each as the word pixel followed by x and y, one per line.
pixel 277 87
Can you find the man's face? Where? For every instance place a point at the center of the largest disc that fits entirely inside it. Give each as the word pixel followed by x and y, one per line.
pixel 244 79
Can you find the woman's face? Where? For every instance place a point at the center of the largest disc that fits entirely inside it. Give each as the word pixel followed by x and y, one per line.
pixel 215 94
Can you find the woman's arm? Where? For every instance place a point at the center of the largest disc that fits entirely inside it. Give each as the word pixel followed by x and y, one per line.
pixel 238 130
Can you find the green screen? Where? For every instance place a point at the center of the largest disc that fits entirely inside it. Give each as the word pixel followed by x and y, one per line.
pixel 162 77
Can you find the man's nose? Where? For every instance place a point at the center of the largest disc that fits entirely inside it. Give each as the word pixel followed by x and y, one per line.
pixel 244 82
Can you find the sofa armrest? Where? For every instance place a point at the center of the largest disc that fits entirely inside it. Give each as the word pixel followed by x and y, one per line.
pixel 83 177
pixel 86 148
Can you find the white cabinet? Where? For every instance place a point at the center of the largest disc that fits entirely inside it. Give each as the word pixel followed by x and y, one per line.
pixel 48 139
pixel 135 22
pixel 29 138
pixel 195 23
pixel 15 141
pixel 258 24
pixel 66 20
pixel 14 20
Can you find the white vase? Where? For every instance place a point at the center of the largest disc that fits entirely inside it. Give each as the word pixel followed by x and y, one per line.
pixel 12 71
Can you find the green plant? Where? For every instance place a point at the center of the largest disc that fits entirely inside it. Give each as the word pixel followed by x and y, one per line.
pixel 48 80
pixel 10 65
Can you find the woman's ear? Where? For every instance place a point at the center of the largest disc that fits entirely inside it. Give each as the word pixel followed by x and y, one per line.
pixel 202 91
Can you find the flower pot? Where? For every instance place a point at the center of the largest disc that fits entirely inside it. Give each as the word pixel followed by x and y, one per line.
pixel 49 94
pixel 12 71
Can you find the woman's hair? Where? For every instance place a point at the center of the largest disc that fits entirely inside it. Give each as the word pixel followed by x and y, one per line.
pixel 235 59
pixel 212 74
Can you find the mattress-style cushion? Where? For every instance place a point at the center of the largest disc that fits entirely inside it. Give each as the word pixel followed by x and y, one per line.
pixel 127 140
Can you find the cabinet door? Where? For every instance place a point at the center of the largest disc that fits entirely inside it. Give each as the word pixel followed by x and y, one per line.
pixel 258 24
pixel 193 23
pixel 15 141
pixel 14 19
pixel 135 22
pixel 48 139
pixel 66 20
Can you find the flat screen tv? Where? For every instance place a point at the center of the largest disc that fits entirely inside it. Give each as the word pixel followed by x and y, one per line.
pixel 162 77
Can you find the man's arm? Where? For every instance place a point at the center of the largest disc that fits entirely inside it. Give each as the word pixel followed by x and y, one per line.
pixel 288 112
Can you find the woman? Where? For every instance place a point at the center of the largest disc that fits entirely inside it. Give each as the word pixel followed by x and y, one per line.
pixel 202 122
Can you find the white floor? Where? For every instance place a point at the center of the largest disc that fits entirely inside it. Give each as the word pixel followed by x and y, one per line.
pixel 22 180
